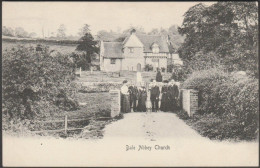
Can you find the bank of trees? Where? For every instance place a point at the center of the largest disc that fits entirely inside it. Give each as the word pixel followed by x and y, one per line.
pixel 222 40
pixel 227 32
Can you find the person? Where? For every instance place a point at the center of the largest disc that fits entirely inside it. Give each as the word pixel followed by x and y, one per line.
pixel 174 94
pixel 155 93
pixel 125 103
pixel 133 91
pixel 142 100
pixel 158 76
pixel 164 100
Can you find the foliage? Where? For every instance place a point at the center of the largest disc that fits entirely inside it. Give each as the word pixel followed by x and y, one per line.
pixel 61 31
pixel 80 61
pixel 32 80
pixel 148 67
pixel 179 73
pixel 85 29
pixel 17 32
pixel 233 98
pixel 228 29
pixel 88 45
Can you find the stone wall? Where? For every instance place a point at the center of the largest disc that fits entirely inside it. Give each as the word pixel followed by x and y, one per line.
pixel 115 102
pixel 190 101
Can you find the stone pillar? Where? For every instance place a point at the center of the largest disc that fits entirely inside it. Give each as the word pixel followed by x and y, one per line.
pixel 189 101
pixel 115 102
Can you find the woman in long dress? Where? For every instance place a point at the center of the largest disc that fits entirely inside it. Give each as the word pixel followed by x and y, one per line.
pixel 165 97
pixel 125 101
pixel 142 100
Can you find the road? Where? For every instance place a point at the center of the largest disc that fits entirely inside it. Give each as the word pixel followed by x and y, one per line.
pixel 139 139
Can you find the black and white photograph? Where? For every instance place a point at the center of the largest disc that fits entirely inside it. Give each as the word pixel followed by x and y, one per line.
pixel 130 84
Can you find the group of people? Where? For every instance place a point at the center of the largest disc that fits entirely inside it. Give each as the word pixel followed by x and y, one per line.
pixel 136 97
pixel 133 97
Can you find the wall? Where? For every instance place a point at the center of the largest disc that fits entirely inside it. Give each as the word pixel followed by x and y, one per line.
pixel 162 62
pixel 112 67
pixel 190 101
pixel 130 64
pixel 132 59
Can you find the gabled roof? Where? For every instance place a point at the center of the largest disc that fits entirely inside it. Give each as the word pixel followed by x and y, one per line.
pixel 113 50
pixel 148 41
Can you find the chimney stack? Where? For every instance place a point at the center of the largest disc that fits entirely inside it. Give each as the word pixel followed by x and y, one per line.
pixel 133 31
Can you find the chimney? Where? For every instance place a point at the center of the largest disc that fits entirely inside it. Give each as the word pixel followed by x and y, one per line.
pixel 133 31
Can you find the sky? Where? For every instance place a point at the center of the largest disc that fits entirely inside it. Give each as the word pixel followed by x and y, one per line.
pixel 117 16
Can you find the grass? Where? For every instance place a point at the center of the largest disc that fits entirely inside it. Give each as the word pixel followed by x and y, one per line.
pixel 99 76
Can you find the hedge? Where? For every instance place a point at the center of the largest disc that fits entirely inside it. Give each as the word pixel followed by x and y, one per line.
pixel 232 98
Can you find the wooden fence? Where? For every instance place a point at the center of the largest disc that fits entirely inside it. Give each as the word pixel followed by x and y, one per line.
pixel 65 121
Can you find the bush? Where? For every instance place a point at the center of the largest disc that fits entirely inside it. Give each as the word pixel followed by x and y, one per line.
pixel 179 73
pixel 183 114
pixel 148 67
pixel 81 61
pixel 32 80
pixel 231 97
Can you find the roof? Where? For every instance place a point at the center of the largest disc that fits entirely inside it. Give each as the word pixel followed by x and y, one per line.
pixel 113 50
pixel 149 40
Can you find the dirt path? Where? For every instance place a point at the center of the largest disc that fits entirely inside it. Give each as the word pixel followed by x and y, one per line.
pixel 151 126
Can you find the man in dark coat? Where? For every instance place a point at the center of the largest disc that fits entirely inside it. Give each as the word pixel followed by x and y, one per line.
pixel 133 96
pixel 158 76
pixel 155 93
pixel 164 99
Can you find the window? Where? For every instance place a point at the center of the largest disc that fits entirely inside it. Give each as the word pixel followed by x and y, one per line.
pixel 155 48
pixel 113 61
pixel 131 50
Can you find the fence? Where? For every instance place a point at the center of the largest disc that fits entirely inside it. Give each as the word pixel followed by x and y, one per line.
pixel 65 121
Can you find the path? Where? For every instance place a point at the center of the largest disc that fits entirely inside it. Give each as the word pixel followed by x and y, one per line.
pixel 150 126
pixel 187 148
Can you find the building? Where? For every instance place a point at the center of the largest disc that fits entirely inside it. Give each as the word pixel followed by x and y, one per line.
pixel 134 53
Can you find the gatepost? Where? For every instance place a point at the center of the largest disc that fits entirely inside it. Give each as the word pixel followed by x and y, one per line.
pixel 190 101
pixel 115 102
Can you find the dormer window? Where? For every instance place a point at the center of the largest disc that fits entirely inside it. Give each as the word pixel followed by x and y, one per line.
pixel 155 48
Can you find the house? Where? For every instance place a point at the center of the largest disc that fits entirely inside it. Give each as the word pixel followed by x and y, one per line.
pixel 134 53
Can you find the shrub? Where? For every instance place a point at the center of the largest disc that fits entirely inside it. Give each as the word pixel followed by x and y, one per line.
pixel 148 67
pixel 231 97
pixel 183 114
pixel 32 80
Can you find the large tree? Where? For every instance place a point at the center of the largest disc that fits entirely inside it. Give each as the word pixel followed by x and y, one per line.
pixel 229 29
pixel 88 45
pixel 61 32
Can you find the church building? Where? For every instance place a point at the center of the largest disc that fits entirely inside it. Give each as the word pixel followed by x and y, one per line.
pixel 134 53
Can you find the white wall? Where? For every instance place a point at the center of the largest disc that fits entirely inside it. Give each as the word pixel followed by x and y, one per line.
pixel 131 63
pixel 112 67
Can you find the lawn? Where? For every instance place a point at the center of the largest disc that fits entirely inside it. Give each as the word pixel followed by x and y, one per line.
pixel 99 76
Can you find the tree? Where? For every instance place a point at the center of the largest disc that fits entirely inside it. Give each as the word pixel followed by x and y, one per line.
pixel 61 31
pixel 228 29
pixel 33 82
pixel 7 31
pixel 88 46
pixel 85 29
pixel 108 35
pixel 154 32
pixel 20 32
